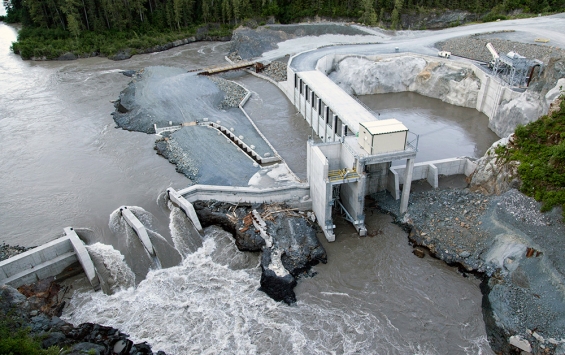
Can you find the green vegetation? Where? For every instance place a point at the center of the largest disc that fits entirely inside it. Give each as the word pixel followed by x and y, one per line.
pixel 52 43
pixel 83 27
pixel 540 149
pixel 15 340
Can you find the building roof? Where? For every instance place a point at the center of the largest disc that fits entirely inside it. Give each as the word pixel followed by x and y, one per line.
pixel 344 106
pixel 384 126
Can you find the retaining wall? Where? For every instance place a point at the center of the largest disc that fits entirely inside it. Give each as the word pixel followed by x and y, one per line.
pixel 47 260
pixel 297 196
pixel 430 171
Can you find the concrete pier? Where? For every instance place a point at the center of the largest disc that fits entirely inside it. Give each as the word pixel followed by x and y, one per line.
pixel 48 260
pixel 139 229
pixel 83 258
pixel 186 206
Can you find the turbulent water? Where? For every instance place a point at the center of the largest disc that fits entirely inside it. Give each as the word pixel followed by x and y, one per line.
pixel 64 163
pixel 368 299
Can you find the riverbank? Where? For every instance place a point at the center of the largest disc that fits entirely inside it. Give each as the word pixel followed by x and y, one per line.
pixel 37 308
pixel 54 44
pixel 508 242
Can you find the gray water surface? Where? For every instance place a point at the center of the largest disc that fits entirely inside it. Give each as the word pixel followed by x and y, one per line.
pixel 445 130
pixel 64 163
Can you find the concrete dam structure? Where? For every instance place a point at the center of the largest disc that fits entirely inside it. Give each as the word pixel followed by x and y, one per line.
pixel 353 159
pixel 355 145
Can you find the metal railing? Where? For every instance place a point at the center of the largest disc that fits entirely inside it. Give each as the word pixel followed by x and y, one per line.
pixel 412 140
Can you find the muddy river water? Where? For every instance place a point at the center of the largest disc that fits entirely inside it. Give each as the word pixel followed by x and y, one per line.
pixel 65 164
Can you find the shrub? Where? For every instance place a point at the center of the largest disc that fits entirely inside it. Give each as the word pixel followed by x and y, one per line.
pixel 15 340
pixel 540 149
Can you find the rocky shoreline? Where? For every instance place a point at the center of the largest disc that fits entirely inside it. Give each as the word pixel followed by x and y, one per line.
pixel 201 36
pixel 286 238
pixel 507 242
pixel 38 308
pixel 7 251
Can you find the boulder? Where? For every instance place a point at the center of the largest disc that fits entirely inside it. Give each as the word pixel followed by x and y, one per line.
pixel 122 55
pixel 13 302
pixel 87 348
pixel 494 175
pixel 53 339
pixel 276 281
pixel 521 110
pixel 67 56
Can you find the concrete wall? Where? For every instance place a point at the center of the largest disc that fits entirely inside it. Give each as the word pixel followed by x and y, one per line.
pixel 321 190
pixel 47 260
pixel 491 94
pixel 186 206
pixel 332 152
pixel 377 177
pixel 429 171
pixel 311 114
pixel 297 196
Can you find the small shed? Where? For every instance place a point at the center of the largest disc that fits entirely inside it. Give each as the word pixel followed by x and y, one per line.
pixel 382 136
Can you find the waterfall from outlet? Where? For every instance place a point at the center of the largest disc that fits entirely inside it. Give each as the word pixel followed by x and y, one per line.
pixel 135 253
pixel 185 237
pixel 113 272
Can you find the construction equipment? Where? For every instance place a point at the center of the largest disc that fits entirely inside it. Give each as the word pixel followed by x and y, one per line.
pixel 512 67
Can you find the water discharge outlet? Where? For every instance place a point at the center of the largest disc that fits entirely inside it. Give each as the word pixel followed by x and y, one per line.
pixel 139 229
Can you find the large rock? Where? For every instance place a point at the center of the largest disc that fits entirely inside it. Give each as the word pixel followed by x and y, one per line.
pixel 276 281
pixel 448 82
pixel 493 174
pixel 525 108
pixel 286 238
pixel 13 302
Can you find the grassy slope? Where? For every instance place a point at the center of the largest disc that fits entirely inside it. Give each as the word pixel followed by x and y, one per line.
pixel 540 149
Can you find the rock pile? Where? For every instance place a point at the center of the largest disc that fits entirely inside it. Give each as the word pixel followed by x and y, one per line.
pixel 7 251
pixel 234 93
pixel 446 222
pixel 276 70
pixel 506 239
pixel 250 43
pixel 38 308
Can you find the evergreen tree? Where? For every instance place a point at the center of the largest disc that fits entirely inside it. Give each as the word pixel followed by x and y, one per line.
pixel 369 16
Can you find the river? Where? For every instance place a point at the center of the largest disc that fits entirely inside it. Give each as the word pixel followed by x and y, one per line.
pixel 65 164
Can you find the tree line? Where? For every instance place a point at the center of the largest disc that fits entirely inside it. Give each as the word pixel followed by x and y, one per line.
pixel 76 16
pixel 51 28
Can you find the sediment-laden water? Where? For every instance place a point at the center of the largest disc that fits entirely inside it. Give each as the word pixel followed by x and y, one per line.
pixel 373 297
pixel 64 163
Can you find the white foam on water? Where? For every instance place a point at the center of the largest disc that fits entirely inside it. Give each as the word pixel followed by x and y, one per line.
pixel 203 306
pixel 129 244
pixel 118 274
pixel 226 253
pixel 185 238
